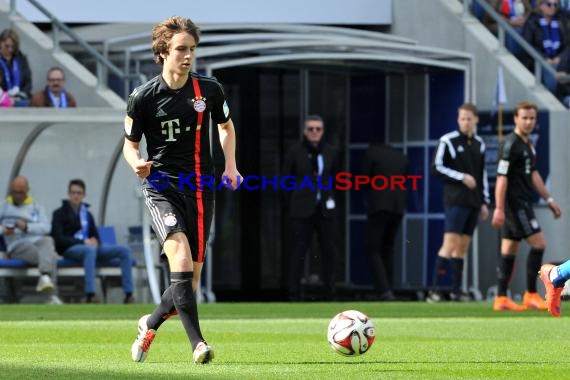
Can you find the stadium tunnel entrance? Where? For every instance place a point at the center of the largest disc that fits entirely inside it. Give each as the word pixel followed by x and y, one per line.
pixel 367 90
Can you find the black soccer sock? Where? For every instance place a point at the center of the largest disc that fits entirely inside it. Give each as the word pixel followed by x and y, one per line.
pixel 163 311
pixel 185 304
pixel 457 267
pixel 533 263
pixel 440 270
pixel 504 272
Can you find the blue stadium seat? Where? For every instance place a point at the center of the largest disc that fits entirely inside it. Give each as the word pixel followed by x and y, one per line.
pixel 12 263
pixel 107 235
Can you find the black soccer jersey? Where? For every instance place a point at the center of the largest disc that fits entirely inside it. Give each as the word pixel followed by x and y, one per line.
pixel 517 160
pixel 175 125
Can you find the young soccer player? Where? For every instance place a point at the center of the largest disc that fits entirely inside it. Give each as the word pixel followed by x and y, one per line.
pixel 517 181
pixel 173 111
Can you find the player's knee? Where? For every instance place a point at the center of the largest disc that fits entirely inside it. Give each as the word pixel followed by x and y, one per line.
pixel 182 262
pixel 538 244
pixel 538 248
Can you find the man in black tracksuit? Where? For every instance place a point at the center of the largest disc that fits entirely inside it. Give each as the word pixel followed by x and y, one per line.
pixel 460 162
pixel 385 211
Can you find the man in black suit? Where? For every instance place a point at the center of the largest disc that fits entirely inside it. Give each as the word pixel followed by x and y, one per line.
pixel 385 209
pixel 311 204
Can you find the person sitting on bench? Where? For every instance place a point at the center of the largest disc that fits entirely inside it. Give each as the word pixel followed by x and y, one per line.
pixel 25 229
pixel 76 238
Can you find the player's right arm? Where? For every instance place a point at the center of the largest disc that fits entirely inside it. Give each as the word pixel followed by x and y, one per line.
pixel 133 157
pixel 500 194
pixel 501 184
pixel 133 134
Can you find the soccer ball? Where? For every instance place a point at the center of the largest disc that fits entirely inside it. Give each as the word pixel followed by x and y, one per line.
pixel 351 333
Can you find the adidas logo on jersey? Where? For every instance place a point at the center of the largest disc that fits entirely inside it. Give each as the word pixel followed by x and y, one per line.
pixel 160 113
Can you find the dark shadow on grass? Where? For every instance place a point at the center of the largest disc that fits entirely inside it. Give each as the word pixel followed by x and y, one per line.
pixel 399 362
pixel 26 373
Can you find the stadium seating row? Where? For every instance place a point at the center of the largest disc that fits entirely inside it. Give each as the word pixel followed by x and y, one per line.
pixel 11 269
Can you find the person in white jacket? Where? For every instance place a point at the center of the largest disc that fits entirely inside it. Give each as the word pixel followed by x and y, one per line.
pixel 25 229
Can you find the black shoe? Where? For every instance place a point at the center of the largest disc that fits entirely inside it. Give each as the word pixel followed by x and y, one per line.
pixel 294 297
pixel 92 299
pixel 459 297
pixel 434 296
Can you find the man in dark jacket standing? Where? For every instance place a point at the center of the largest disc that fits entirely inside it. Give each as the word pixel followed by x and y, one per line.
pixel 311 204
pixel 76 238
pixel 460 162
pixel 385 209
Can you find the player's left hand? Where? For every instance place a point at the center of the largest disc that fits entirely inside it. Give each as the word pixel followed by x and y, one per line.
pixel 555 208
pixel 230 176
pixel 484 213
pixel 142 168
pixel 498 218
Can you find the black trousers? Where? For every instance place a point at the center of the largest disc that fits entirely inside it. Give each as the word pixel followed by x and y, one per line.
pixel 302 234
pixel 381 230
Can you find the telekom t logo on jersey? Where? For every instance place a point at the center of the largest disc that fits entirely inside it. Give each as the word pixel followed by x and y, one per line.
pixel 171 128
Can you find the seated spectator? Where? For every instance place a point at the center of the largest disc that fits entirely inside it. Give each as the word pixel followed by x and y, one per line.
pixel 25 229
pixel 15 68
pixel 54 94
pixel 76 238
pixel 515 12
pixel 547 30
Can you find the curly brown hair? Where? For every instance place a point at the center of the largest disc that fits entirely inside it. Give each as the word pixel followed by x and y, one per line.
pixel 162 34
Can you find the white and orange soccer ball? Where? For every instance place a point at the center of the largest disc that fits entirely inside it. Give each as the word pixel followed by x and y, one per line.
pixel 351 333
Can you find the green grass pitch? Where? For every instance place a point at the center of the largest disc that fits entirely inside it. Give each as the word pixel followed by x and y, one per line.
pixel 286 341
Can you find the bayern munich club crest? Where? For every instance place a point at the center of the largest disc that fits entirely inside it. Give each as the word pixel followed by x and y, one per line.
pixel 169 219
pixel 199 104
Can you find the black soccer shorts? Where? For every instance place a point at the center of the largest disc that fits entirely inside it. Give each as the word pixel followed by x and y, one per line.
pixel 520 223
pixel 174 211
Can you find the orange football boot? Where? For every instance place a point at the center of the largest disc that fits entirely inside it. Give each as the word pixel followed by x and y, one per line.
pixel 504 303
pixel 552 293
pixel 534 301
